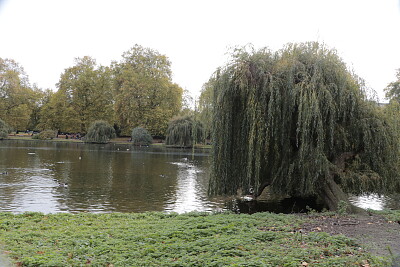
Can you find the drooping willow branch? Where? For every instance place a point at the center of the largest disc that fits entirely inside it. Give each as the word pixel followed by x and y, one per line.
pixel 285 118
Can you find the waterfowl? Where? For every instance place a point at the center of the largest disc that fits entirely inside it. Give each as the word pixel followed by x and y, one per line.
pixel 63 184
pixel 4 172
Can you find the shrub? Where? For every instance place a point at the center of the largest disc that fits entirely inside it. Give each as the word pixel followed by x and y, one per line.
pixel 183 130
pixel 4 129
pixel 46 134
pixel 141 137
pixel 100 132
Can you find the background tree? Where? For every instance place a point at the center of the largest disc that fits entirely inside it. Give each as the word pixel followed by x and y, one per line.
pixel 87 90
pixel 205 107
pixel 4 129
pixel 100 132
pixel 298 120
pixel 141 137
pixel 15 94
pixel 187 104
pixel 184 131
pixel 143 91
pixel 58 114
pixel 393 89
pixel 392 110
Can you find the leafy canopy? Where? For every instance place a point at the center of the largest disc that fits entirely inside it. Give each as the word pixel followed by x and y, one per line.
pixel 100 132
pixel 393 89
pixel 144 92
pixel 184 131
pixel 297 120
pixel 17 97
pixel 141 137
pixel 4 129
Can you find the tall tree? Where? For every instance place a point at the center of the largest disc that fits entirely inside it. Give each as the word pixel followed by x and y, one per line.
pixel 84 95
pixel 57 114
pixel 298 120
pixel 393 89
pixel 144 92
pixel 205 107
pixel 15 94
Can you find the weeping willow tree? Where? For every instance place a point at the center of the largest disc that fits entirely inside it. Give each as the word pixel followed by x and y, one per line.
pixel 100 132
pixel 297 120
pixel 184 131
pixel 141 137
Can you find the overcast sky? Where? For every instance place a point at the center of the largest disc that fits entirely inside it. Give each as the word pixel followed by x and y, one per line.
pixel 44 36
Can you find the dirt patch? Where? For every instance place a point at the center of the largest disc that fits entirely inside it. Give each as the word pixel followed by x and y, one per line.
pixel 375 233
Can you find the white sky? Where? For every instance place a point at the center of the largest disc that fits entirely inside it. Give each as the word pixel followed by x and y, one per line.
pixel 45 36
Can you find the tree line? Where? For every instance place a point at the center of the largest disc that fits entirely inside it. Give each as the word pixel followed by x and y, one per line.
pixel 135 91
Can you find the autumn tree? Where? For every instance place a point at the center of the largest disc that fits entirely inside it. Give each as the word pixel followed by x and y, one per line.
pixel 87 89
pixel 144 92
pixel 4 129
pixel 15 95
pixel 205 107
pixel 297 120
pixel 57 114
pixel 393 89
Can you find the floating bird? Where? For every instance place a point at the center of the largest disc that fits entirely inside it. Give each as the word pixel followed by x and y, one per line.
pixel 63 184
pixel 4 172
pixel 80 158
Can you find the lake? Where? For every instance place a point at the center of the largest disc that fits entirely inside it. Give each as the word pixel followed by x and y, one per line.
pixel 74 177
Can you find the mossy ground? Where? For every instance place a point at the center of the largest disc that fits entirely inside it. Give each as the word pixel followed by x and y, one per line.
pixel 160 239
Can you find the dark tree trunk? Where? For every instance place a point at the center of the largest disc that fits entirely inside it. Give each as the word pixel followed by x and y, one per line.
pixel 331 194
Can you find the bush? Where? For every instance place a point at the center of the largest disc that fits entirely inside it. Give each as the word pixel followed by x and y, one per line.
pixel 141 137
pixel 4 129
pixel 46 134
pixel 183 130
pixel 100 132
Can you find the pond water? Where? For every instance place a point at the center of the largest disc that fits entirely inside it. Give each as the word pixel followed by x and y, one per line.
pixel 74 177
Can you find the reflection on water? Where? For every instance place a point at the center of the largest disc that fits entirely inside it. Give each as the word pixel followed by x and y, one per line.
pixel 376 202
pixel 70 177
pixel 74 177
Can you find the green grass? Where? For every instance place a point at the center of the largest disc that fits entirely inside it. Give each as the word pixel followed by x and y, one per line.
pixel 160 239
pixel 390 215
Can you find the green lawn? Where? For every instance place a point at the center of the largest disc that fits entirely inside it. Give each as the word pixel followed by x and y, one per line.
pixel 160 239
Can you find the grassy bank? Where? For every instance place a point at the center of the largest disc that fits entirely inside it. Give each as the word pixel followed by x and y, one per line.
pixel 159 239
pixel 119 140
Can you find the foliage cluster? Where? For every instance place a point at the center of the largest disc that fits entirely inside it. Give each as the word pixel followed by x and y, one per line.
pixel 393 89
pixel 299 121
pixel 141 137
pixel 184 131
pixel 46 134
pixel 100 132
pixel 4 129
pixel 136 91
pixel 159 239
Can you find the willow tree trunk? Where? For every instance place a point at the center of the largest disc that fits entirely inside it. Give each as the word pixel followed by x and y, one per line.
pixel 331 194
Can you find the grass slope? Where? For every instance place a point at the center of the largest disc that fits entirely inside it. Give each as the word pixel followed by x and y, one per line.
pixel 160 239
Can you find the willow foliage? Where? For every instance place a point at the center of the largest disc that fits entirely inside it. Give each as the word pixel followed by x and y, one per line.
pixel 100 132
pixel 141 137
pixel 295 119
pixel 183 131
